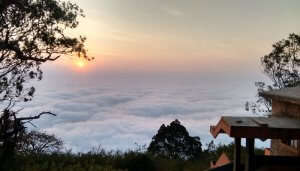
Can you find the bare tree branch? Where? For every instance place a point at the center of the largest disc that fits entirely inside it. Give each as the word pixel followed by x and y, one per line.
pixel 35 117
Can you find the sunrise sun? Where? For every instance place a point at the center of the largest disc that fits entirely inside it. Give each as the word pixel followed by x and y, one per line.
pixel 80 63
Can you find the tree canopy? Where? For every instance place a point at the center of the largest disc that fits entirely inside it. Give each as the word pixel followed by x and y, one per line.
pixel 35 142
pixel 173 141
pixel 283 63
pixel 32 32
pixel 281 66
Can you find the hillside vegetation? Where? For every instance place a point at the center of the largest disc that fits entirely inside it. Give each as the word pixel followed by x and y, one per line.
pixel 171 149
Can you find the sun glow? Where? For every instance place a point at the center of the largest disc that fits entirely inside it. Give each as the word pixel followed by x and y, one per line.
pixel 81 63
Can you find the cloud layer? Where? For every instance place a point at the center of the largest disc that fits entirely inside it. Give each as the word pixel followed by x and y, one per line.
pixel 118 115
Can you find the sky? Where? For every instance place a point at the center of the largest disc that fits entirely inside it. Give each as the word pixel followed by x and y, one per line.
pixel 156 61
pixel 180 36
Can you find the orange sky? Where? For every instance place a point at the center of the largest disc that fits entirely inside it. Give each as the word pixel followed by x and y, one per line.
pixel 182 36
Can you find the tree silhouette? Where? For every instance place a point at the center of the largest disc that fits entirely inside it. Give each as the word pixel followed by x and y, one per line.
pixel 32 32
pixel 35 142
pixel 282 66
pixel 173 141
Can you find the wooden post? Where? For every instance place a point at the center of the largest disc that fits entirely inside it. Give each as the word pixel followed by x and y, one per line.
pixel 250 165
pixel 237 154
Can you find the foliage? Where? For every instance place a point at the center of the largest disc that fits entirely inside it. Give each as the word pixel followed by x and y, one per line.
pixel 35 142
pixel 101 160
pixel 132 161
pixel 262 104
pixel 173 141
pixel 281 66
pixel 32 32
pixel 217 150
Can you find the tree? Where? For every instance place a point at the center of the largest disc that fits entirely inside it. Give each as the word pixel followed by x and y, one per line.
pixel 173 141
pixel 32 32
pixel 35 142
pixel 282 66
pixel 211 146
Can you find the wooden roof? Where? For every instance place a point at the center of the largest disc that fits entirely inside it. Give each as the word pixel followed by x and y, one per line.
pixel 291 95
pixel 258 127
pixel 223 160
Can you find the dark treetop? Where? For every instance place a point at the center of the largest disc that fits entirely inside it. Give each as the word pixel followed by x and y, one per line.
pixel 173 141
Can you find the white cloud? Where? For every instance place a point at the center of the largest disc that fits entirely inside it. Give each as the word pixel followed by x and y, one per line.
pixel 117 116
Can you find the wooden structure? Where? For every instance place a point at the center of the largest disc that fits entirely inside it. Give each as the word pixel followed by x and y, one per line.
pixel 255 127
pixel 223 160
pixel 285 103
pixel 282 127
